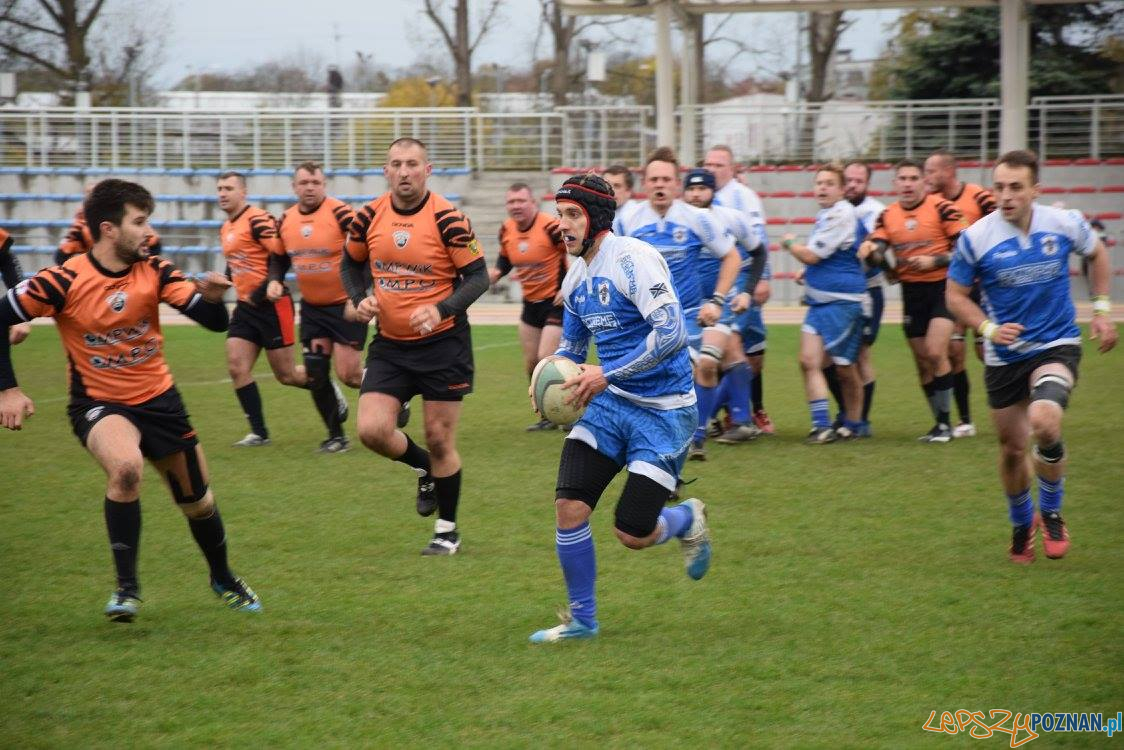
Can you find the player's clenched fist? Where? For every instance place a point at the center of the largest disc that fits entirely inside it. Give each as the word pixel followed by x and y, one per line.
pixel 213 286
pixel 14 407
pixel 367 309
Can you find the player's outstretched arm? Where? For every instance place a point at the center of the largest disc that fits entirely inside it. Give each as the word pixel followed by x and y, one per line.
pixel 206 307
pixel 14 405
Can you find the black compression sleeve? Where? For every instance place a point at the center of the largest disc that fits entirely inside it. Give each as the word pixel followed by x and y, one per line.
pixel 474 282
pixel 355 277
pixel 757 267
pixel 8 317
pixel 279 266
pixel 503 265
pixel 10 269
pixel 211 315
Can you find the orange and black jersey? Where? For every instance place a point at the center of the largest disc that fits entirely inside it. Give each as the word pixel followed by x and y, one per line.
pixel 929 228
pixel 974 202
pixel 109 323
pixel 416 258
pixel 247 241
pixel 537 254
pixel 79 239
pixel 314 242
pixel 10 270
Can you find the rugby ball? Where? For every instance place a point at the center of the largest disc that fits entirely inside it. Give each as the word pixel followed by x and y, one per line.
pixel 547 394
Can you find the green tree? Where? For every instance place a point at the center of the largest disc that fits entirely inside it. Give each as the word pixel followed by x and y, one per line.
pixel 955 53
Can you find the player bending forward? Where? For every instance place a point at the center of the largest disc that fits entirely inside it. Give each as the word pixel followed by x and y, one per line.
pixel 641 404
pixel 124 406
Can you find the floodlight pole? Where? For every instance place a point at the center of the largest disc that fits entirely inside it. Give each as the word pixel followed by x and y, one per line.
pixel 688 86
pixel 1014 62
pixel 665 80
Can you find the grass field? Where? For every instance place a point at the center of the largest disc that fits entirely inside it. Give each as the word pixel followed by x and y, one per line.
pixel 855 587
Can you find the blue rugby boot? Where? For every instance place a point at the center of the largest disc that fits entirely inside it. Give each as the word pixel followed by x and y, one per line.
pixel 569 629
pixel 238 596
pixel 696 542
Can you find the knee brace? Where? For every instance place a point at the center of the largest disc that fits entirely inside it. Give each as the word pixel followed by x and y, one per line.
pixel 317 366
pixel 197 488
pixel 1051 388
pixel 1051 454
pixel 638 510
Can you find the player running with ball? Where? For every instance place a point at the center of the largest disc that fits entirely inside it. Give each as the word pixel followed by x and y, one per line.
pixel 641 405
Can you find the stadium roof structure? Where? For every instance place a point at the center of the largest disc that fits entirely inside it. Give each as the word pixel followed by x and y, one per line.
pixel 1014 49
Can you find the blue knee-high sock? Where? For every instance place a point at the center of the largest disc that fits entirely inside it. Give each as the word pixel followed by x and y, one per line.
pixel 721 395
pixel 820 418
pixel 579 567
pixel 1021 508
pixel 704 394
pixel 740 377
pixel 1050 494
pixel 674 522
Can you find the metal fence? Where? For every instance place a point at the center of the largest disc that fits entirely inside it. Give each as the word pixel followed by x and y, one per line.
pixel 566 136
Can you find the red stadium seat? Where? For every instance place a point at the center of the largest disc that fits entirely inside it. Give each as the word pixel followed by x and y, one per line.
pixel 1058 162
pixel 1053 190
pixel 1083 189
pixel 1113 189
pixel 1087 162
pixel 1109 216
pixel 1115 160
pixel 763 168
pixel 807 194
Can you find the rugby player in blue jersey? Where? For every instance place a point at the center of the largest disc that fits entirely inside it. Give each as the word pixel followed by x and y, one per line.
pixel 1032 344
pixel 640 406
pixel 834 288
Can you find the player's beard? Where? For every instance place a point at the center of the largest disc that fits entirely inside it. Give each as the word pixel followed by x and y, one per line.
pixel 130 252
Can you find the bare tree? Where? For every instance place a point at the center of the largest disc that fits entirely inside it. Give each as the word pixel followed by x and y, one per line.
pixel 824 30
pixel 50 34
pixel 458 38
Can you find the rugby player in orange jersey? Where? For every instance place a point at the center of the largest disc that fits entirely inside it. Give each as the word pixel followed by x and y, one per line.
pixel 313 233
pixel 921 229
pixel 531 244
pixel 973 202
pixel 426 267
pixel 124 406
pixel 249 238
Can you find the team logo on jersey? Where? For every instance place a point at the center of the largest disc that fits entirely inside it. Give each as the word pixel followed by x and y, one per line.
pixel 523 246
pixel 116 301
pixel 679 234
pixel 658 289
pixel 474 246
pixel 306 231
pixel 230 237
pixel 603 292
pixel 93 414
pixel 401 237
pixel 1049 245
pixel 911 223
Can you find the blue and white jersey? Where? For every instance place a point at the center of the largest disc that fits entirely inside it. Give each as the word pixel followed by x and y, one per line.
pixel 611 300
pixel 868 212
pixel 627 207
pixel 681 236
pixel 747 239
pixel 838 277
pixel 1025 278
pixel 742 198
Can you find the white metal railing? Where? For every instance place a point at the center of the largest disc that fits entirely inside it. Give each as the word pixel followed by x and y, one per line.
pixel 567 136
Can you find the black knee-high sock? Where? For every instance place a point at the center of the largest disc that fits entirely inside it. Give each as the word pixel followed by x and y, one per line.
pixel 250 399
pixel 415 456
pixel 211 537
pixel 448 496
pixel 942 397
pixel 832 377
pixel 123 522
pixel 319 372
pixel 758 389
pixel 960 389
pixel 930 390
pixel 868 398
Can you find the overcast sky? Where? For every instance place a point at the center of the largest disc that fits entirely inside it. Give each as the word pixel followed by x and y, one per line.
pixel 225 35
